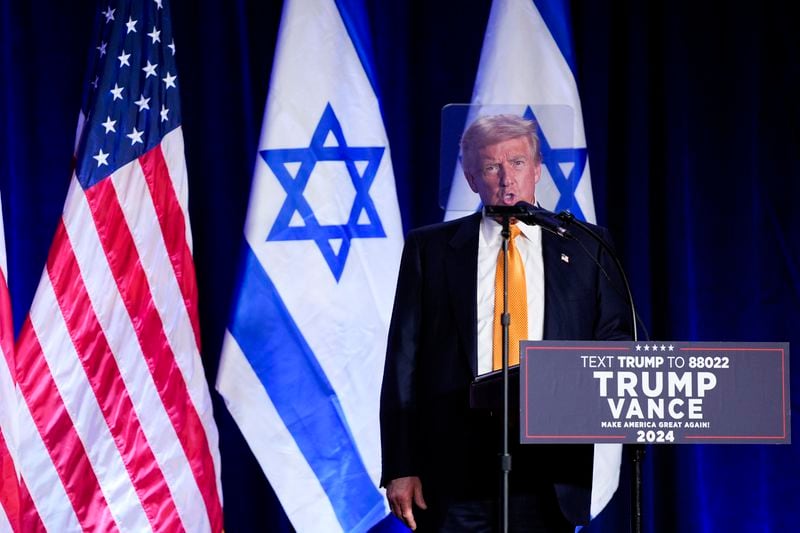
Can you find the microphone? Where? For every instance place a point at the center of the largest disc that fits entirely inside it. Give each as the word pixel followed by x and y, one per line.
pixel 529 214
pixel 544 218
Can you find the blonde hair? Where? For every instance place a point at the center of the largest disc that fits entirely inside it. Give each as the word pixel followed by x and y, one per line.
pixel 493 129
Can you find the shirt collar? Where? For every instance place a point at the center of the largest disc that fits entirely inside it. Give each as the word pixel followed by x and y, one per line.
pixel 490 230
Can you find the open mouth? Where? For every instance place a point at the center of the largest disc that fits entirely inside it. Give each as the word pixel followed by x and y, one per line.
pixel 509 198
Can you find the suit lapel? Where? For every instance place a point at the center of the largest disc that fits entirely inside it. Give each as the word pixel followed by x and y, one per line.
pixel 462 284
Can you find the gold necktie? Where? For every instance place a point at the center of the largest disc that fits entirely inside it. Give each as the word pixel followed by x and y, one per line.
pixel 517 305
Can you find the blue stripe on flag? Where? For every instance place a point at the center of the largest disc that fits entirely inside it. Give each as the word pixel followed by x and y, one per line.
pixel 303 397
pixel 556 15
pixel 354 16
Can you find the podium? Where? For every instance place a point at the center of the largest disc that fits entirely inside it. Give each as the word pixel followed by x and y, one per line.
pixel 486 391
pixel 640 393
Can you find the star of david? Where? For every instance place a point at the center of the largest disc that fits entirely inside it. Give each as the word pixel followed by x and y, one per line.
pixel 363 221
pixel 552 158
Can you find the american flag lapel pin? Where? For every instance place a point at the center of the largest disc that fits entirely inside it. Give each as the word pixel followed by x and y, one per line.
pixel 565 258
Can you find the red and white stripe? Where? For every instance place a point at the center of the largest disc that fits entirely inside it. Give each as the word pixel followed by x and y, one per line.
pixel 17 512
pixel 119 419
pixel 9 478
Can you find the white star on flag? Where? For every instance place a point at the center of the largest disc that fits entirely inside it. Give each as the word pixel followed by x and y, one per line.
pixel 149 69
pixel 117 92
pixel 109 125
pixel 142 102
pixel 101 157
pixel 135 136
pixel 169 81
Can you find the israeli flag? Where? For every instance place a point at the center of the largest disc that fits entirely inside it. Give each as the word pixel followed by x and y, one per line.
pixel 527 67
pixel 303 355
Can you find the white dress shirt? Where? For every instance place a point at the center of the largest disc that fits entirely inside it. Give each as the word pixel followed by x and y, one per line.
pixel 529 244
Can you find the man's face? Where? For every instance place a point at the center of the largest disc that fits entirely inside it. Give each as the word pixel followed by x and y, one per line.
pixel 507 173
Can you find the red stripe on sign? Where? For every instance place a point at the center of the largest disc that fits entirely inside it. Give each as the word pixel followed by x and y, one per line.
pixel 173 227
pixel 58 434
pixel 9 486
pixel 112 396
pixel 129 275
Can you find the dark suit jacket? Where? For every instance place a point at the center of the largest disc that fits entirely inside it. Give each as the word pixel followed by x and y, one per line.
pixel 427 427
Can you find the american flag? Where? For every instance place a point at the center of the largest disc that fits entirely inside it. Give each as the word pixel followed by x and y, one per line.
pixel 116 425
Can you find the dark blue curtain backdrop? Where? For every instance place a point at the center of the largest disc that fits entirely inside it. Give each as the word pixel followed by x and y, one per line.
pixel 693 127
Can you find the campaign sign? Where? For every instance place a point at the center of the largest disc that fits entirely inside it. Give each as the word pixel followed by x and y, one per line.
pixel 654 392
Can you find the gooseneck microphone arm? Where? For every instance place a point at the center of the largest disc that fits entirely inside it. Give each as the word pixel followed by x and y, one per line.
pixel 567 219
pixel 638 449
pixel 557 224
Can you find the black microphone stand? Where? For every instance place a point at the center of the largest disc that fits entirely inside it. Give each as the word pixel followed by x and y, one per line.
pixel 505 320
pixel 504 214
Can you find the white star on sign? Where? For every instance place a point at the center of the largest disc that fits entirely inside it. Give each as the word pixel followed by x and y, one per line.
pixel 142 102
pixel 109 14
pixel 102 48
pixel 150 69
pixel 171 46
pixel 109 125
pixel 117 92
pixel 123 59
pixel 131 25
pixel 164 112
pixel 102 158
pixel 135 136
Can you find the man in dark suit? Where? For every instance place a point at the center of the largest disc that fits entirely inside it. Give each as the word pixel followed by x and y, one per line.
pixel 442 336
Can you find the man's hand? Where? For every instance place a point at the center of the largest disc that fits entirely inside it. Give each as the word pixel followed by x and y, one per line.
pixel 401 493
